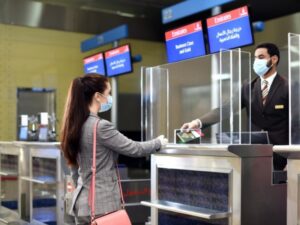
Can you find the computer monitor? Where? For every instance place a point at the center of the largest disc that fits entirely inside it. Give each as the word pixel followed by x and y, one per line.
pixel 185 42
pixel 230 30
pixel 94 64
pixel 43 133
pixel 118 61
pixel 23 133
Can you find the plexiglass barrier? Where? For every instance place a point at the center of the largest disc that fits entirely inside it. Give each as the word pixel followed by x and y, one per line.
pixel 176 93
pixel 155 102
pixel 294 82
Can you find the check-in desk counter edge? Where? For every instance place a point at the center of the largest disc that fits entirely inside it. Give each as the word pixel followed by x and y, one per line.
pixel 242 150
pixel 288 151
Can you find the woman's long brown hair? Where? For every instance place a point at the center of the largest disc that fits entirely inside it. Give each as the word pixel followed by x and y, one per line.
pixel 80 96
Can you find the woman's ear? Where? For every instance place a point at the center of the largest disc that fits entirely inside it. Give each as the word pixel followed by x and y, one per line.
pixel 97 97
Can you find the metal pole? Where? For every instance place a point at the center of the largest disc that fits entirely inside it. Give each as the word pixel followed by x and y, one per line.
pixel 114 93
pixel 214 82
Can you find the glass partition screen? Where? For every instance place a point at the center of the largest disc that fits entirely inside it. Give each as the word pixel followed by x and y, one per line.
pixel 294 79
pixel 208 87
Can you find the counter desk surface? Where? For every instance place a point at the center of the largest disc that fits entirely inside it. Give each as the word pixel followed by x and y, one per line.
pixel 30 143
pixel 288 151
pixel 218 150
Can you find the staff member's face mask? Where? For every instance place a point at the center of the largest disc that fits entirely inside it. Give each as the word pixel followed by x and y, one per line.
pixel 261 67
pixel 106 106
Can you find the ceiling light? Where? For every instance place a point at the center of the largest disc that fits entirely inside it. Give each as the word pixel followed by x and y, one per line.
pixel 109 11
pixel 130 15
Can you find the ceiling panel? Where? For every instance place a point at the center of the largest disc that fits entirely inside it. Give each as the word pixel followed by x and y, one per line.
pixel 142 16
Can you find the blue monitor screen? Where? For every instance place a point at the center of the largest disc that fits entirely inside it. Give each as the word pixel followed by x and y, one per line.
pixel 23 133
pixel 229 30
pixel 185 42
pixel 94 64
pixel 43 134
pixel 118 61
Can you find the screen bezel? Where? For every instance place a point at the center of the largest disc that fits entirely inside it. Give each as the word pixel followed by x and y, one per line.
pixel 175 28
pixel 240 46
pixel 130 56
pixel 102 52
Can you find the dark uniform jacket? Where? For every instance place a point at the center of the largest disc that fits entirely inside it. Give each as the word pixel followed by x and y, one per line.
pixel 272 117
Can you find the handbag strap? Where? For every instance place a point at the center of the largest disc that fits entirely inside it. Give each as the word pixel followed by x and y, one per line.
pixel 93 180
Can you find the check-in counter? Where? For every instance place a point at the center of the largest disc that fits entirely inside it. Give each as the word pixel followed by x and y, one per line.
pixel 34 183
pixel 292 153
pixel 10 172
pixel 31 183
pixel 215 184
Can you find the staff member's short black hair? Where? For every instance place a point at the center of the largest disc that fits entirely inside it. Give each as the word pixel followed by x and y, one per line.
pixel 272 49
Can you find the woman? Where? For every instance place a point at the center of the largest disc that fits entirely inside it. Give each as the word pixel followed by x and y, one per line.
pixel 87 96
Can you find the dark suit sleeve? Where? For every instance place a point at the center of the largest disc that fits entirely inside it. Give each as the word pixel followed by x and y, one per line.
pixel 210 118
pixel 114 140
pixel 214 116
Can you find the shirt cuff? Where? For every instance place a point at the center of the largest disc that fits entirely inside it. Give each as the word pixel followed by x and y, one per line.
pixel 199 123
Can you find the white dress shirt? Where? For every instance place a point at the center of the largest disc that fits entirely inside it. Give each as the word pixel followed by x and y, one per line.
pixel 270 80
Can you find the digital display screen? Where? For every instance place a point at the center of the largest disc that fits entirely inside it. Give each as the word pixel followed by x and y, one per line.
pixel 43 134
pixel 229 30
pixel 94 64
pixel 118 61
pixel 23 134
pixel 185 42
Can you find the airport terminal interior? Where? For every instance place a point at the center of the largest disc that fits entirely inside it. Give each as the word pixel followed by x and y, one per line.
pixel 218 79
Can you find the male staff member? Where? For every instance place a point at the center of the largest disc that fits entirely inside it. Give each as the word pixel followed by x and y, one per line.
pixel 269 101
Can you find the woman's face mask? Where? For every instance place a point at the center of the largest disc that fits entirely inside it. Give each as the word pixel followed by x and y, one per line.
pixel 106 106
pixel 260 66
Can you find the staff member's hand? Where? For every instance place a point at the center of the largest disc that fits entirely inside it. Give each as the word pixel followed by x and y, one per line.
pixel 195 124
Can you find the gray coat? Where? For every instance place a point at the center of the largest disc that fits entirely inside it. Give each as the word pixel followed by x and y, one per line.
pixel 110 143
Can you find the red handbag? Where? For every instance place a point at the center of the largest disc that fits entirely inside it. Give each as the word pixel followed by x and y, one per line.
pixel 119 217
